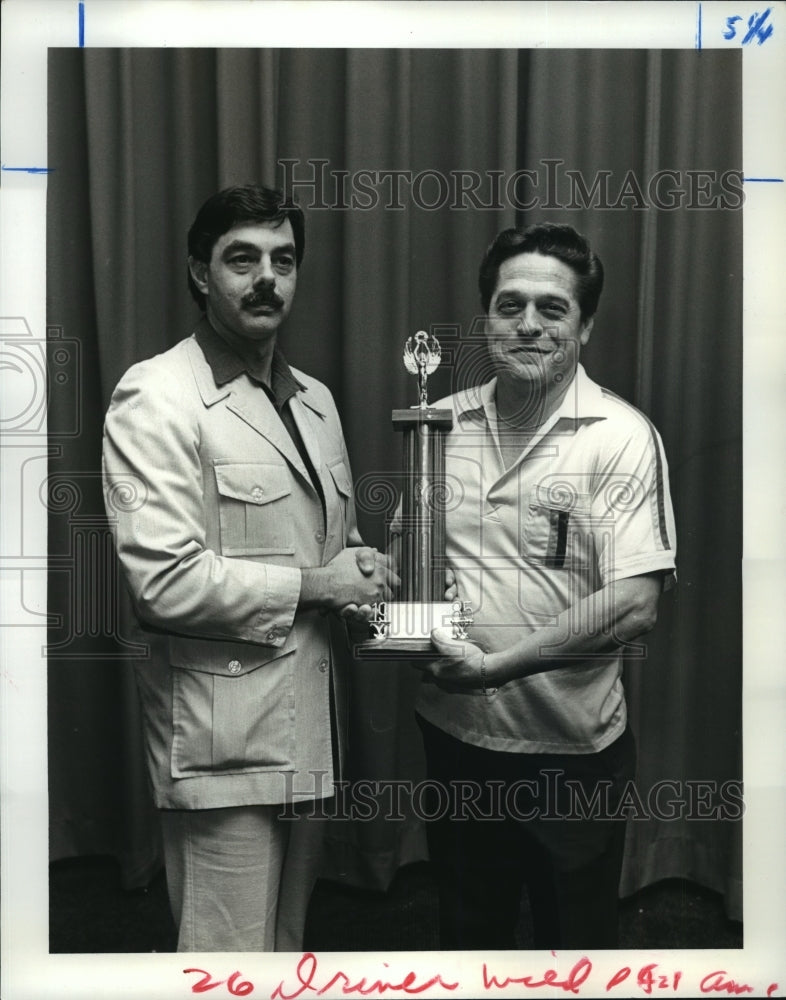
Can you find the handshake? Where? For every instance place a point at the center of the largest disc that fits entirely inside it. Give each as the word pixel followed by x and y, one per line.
pixel 350 583
pixel 354 580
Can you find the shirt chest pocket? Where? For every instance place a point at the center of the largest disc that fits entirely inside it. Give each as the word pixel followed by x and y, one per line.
pixel 255 509
pixel 555 527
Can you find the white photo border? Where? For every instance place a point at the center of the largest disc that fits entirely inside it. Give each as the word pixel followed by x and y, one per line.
pixel 30 27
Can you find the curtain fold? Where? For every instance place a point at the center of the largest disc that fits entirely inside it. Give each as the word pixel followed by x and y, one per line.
pixel 139 138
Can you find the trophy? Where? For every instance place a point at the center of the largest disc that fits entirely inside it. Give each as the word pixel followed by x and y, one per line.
pixel 401 628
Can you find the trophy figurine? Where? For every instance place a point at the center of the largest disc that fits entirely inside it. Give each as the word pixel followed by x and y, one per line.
pixel 401 628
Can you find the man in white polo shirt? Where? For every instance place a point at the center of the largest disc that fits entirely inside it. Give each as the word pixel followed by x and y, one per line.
pixel 561 537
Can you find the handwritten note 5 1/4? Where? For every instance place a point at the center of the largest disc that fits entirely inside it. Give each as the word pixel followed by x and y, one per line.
pixel 756 28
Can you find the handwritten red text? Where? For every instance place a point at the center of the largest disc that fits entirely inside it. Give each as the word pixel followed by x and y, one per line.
pixel 648 978
pixel 551 977
pixel 236 986
pixel 716 982
pixel 307 981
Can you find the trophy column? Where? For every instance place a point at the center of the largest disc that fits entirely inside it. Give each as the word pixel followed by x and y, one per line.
pixel 422 538
pixel 402 628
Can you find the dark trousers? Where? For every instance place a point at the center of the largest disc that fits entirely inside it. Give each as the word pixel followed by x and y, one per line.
pixel 498 822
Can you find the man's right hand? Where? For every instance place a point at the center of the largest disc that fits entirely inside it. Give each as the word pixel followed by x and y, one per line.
pixel 356 576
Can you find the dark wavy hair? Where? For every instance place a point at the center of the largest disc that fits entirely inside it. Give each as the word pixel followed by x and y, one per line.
pixel 234 206
pixel 551 240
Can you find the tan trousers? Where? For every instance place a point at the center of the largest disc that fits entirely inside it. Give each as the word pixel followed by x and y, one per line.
pixel 240 879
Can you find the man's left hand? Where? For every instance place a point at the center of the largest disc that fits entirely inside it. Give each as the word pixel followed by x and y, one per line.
pixel 458 666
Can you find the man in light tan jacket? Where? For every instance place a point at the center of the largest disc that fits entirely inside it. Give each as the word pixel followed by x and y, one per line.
pixel 228 485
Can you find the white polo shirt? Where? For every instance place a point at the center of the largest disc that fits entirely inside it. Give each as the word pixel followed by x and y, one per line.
pixel 586 503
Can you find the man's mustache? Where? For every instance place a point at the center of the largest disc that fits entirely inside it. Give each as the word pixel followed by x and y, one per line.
pixel 262 298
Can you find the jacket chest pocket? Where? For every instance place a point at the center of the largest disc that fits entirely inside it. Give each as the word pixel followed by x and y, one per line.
pixel 555 528
pixel 254 509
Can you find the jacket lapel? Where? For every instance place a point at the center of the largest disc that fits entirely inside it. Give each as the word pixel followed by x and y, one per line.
pixel 252 405
pixel 255 409
pixel 307 423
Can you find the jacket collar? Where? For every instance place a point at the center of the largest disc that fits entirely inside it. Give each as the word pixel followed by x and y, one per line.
pixel 226 364
pixel 219 359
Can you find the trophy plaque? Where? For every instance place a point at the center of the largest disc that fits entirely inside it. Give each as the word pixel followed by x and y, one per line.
pixel 401 629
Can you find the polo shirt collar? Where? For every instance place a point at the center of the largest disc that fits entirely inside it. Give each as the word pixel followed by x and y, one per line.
pixel 582 401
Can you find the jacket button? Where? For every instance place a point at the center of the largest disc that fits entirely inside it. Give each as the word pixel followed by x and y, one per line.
pixel 257 493
pixel 323 665
pixel 320 536
pixel 234 666
pixel 273 634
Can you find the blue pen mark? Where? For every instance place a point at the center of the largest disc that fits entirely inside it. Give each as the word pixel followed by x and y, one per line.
pixel 731 31
pixel 81 25
pixel 758 29
pixel 27 170
pixel 698 31
pixel 762 180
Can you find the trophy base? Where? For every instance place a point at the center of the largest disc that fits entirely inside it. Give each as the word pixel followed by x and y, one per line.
pixel 404 631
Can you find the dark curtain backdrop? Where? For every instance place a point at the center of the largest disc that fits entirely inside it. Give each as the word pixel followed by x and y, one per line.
pixel 139 138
